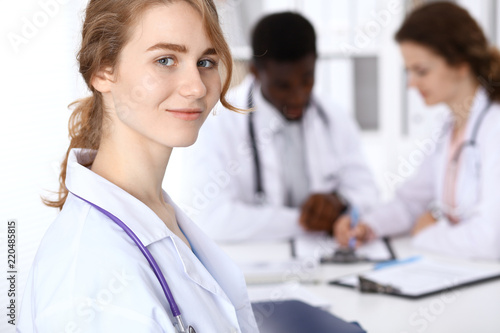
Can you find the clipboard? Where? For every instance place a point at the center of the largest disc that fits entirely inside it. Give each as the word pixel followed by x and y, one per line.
pixel 363 254
pixel 415 278
pixel 322 247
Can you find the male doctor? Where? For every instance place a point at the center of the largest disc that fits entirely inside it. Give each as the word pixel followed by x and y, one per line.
pixel 294 164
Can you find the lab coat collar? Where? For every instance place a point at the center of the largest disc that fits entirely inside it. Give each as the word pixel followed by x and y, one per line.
pixel 228 276
pixel 479 104
pixel 266 114
pixel 88 185
pixel 149 228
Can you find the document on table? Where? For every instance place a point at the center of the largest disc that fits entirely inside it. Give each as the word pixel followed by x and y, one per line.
pixel 317 245
pixel 423 277
pixel 271 262
pixel 275 262
pixel 280 271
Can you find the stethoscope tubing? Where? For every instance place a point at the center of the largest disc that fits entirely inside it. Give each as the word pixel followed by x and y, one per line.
pixel 475 132
pixel 472 142
pixel 260 193
pixel 152 262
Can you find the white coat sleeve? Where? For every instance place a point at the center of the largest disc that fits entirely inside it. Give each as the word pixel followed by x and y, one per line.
pixel 213 195
pixel 479 236
pixel 235 221
pixel 59 318
pixel 411 200
pixel 357 184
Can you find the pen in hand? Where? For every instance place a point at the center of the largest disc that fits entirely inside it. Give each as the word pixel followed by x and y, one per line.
pixel 354 215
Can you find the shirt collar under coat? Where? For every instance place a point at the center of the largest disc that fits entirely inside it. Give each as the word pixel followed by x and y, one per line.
pixel 477 106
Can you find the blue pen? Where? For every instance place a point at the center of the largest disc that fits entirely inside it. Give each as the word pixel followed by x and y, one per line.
pixel 354 222
pixel 397 262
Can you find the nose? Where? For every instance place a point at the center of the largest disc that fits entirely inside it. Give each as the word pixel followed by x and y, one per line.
pixel 298 96
pixel 192 85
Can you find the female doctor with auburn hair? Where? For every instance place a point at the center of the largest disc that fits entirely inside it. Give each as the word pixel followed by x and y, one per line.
pixel 121 257
pixel 451 205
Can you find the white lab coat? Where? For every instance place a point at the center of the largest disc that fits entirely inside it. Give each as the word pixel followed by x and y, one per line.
pixel 89 276
pixel 221 173
pixel 478 235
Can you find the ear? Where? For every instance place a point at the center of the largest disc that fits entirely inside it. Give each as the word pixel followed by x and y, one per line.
pixel 103 80
pixel 464 69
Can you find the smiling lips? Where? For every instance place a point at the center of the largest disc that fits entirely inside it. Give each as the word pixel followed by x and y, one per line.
pixel 186 114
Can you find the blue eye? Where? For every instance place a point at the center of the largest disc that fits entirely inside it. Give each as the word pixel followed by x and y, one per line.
pixel 166 61
pixel 206 63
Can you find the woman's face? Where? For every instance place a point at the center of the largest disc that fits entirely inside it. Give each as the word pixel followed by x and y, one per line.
pixel 167 79
pixel 428 72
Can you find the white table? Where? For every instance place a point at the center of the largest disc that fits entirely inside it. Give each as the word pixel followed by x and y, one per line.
pixel 470 309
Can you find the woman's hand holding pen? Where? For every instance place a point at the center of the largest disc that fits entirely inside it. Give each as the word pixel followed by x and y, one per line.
pixel 343 232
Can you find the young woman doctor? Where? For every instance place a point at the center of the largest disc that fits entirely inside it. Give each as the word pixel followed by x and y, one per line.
pixel 451 204
pixel 152 68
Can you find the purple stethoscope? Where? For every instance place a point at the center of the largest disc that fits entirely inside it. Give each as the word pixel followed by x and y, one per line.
pixel 179 325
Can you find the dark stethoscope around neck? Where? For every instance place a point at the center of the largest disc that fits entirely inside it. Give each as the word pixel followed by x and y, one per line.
pixel 260 194
pixel 179 324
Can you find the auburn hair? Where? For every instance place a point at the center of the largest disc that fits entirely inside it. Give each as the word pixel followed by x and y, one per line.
pixel 107 27
pixel 450 31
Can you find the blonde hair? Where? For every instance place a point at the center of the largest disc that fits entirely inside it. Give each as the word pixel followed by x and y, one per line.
pixel 106 29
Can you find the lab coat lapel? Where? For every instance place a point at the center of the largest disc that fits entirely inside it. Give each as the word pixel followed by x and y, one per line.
pixel 267 124
pixel 462 197
pixel 222 275
pixel 441 160
pixel 467 180
pixel 319 157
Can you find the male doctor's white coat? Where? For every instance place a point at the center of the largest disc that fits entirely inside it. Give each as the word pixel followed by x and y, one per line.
pixel 221 174
pixel 89 276
pixel 477 192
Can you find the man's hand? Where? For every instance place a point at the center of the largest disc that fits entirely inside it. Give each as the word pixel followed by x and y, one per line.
pixel 424 221
pixel 320 211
